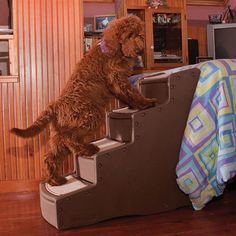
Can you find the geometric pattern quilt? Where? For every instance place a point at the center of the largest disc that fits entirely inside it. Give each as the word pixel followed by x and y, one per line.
pixel 207 157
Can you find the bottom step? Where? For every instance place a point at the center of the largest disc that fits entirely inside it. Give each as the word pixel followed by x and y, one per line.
pixel 72 185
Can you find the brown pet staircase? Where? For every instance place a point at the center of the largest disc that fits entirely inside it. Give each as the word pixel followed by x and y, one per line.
pixel 134 172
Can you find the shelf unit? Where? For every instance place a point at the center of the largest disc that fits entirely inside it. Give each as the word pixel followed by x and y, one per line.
pixel 165 32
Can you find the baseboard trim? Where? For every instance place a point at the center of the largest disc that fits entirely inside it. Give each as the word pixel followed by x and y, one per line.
pixel 19 186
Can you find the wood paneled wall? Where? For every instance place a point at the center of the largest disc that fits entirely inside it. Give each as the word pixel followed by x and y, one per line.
pixel 50 43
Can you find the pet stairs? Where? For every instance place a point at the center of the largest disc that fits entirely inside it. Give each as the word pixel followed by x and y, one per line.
pixel 134 171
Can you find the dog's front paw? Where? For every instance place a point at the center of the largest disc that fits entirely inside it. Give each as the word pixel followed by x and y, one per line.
pixel 152 102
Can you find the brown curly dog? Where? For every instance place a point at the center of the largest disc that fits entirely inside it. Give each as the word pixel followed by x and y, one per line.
pixel 79 110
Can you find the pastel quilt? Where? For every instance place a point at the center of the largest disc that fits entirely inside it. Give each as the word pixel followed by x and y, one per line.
pixel 208 152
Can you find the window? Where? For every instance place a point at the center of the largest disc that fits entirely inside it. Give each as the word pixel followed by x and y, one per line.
pixel 8 43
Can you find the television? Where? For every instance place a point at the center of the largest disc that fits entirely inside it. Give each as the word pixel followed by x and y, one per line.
pixel 221 40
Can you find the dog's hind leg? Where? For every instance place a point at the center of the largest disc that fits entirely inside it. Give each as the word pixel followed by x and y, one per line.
pixel 53 160
pixel 88 149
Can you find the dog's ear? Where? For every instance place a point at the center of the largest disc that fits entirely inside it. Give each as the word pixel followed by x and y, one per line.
pixel 111 38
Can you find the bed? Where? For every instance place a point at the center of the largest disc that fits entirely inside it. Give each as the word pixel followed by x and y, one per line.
pixel 208 150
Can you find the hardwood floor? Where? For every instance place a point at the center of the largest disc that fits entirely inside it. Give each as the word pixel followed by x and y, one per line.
pixel 20 215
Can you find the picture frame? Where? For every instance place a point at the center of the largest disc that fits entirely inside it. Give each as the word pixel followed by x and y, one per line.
pixel 102 21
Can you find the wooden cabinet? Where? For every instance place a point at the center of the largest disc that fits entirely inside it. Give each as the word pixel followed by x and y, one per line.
pixel 90 39
pixel 165 29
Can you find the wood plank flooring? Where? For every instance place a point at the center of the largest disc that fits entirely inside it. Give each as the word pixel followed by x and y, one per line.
pixel 20 215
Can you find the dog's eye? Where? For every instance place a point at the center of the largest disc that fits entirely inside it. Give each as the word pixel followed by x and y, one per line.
pixel 141 36
pixel 131 35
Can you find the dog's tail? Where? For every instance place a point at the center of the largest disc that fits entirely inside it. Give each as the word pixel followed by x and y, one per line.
pixel 41 122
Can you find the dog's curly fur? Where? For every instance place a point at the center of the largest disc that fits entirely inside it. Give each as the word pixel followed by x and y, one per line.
pixel 79 110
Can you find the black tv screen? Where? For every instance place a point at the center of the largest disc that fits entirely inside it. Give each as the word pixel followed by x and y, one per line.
pixel 225 43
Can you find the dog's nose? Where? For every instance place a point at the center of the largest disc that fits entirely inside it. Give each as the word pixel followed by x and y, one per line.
pixel 139 51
